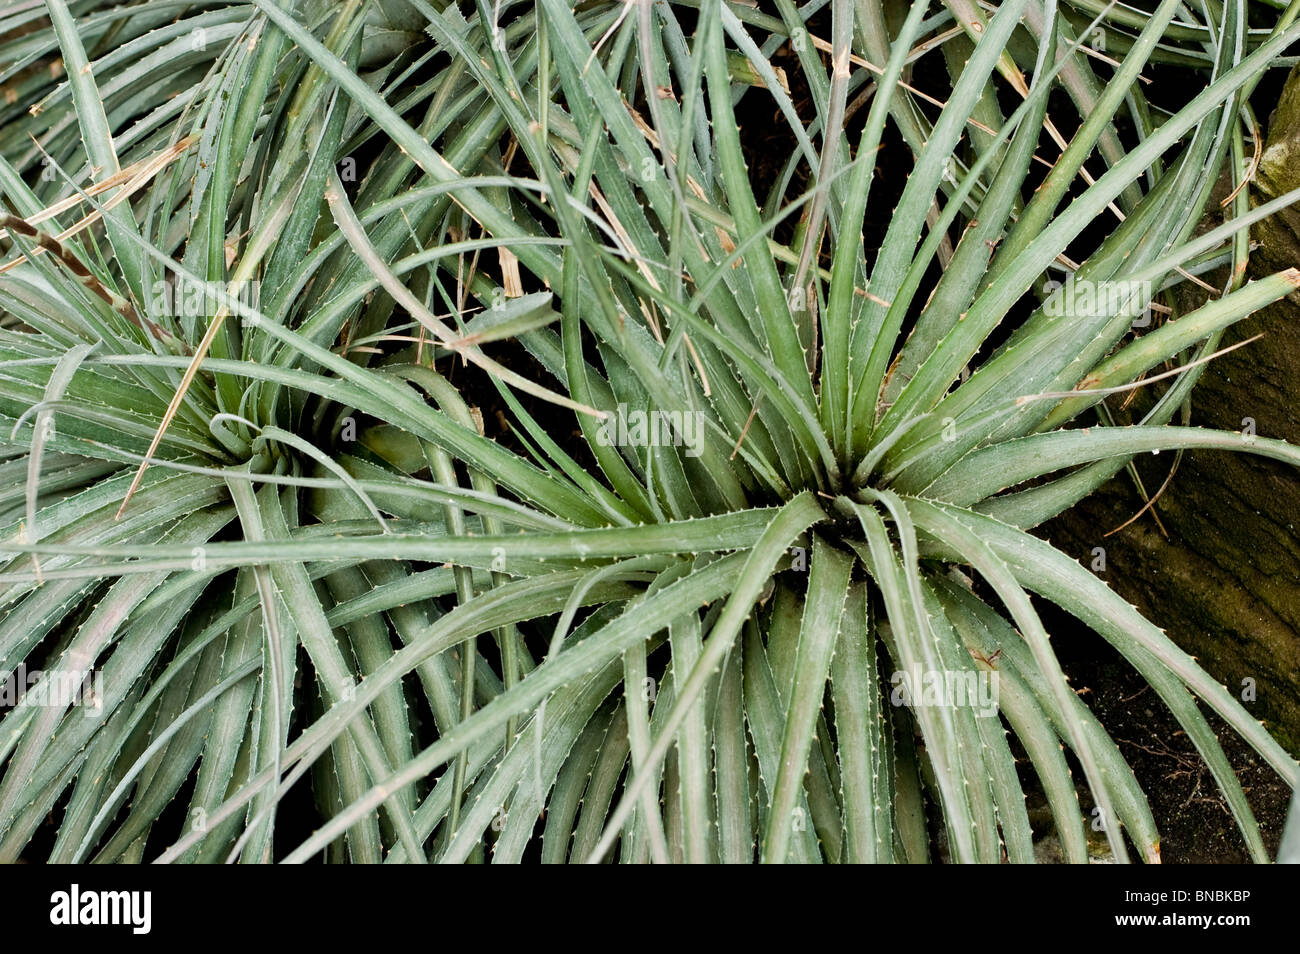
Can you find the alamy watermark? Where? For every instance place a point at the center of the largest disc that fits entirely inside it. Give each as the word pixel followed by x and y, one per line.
pixel 1082 297
pixel 186 299
pixel 635 428
pixel 61 689
pixel 84 906
pixel 946 689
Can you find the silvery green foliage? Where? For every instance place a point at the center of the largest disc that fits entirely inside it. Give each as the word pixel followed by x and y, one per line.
pixel 282 534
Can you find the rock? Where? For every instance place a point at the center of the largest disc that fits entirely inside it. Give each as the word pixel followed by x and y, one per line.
pixel 1225 583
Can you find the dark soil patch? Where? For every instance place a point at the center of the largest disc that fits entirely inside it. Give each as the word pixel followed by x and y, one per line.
pixel 1194 821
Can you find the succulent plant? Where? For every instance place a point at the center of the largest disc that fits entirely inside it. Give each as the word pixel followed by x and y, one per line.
pixel 270 262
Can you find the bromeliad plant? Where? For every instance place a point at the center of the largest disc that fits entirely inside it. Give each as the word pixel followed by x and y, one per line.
pixel 589 644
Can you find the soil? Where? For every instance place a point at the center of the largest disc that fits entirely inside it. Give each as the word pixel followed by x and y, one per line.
pixel 1195 824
